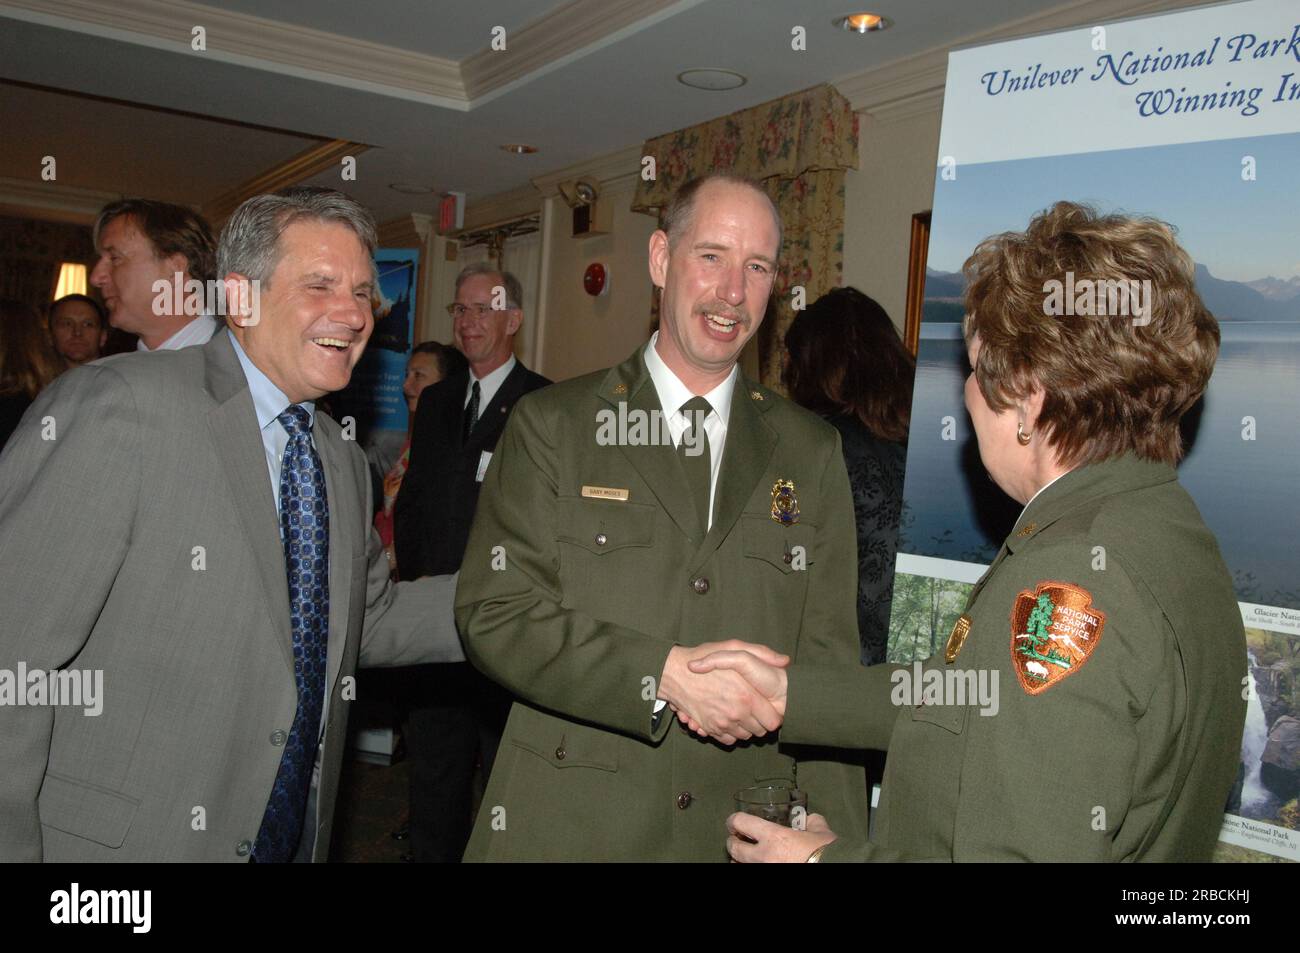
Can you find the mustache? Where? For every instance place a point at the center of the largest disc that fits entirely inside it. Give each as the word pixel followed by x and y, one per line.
pixel 730 314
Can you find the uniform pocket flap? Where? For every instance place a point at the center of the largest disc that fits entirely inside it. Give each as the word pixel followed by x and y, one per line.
pixel 787 548
pixel 604 526
pixel 86 810
pixel 562 757
pixel 949 717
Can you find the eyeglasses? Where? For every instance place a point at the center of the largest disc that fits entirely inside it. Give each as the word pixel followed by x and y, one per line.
pixel 476 310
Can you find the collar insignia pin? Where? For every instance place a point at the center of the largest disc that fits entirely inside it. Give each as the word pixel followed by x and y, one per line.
pixel 960 629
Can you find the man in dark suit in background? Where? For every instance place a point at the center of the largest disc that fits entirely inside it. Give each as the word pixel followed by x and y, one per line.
pixel 457 714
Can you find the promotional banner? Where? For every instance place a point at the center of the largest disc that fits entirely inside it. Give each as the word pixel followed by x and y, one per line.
pixel 1192 118
pixel 374 396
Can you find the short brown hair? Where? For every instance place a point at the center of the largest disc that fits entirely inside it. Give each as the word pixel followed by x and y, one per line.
pixel 171 229
pixel 1111 385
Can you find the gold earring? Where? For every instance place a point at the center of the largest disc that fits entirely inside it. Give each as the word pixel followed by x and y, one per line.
pixel 1021 436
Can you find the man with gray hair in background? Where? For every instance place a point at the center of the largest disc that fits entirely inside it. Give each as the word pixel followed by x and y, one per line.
pixel 456 715
pixel 226 587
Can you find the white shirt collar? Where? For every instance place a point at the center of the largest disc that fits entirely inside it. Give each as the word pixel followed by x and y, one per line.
pixel 198 331
pixel 673 393
pixel 1042 488
pixel 489 383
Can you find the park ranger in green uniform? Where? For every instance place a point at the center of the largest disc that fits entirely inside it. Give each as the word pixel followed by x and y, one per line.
pixel 643 516
pixel 1108 618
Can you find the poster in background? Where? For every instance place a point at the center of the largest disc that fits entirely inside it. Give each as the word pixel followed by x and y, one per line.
pixel 374 395
pixel 1193 118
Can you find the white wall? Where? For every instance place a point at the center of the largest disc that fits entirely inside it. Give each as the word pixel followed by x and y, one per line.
pixel 893 181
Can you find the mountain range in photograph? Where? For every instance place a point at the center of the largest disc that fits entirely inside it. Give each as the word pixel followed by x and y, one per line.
pixel 1264 299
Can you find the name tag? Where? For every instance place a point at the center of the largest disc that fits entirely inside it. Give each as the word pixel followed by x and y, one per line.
pixel 484 459
pixel 605 493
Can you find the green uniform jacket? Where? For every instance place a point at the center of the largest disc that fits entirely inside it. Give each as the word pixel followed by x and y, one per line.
pixel 1129 756
pixel 573 601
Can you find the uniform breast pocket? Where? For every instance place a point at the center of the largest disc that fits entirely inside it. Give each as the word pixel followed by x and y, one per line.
pixel 787 549
pixel 608 561
pixel 948 717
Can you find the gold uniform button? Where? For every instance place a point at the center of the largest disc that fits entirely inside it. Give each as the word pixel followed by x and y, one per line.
pixel 700 585
pixel 601 539
pixel 684 800
pixel 560 753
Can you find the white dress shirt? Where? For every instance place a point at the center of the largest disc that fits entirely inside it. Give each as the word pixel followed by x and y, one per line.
pixel 673 393
pixel 198 331
pixel 489 384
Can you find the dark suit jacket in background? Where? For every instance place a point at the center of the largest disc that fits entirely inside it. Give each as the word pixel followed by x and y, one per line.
pixel 435 505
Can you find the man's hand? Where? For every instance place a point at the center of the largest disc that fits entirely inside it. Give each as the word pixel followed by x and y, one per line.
pixel 719 702
pixel 756 841
pixel 767 677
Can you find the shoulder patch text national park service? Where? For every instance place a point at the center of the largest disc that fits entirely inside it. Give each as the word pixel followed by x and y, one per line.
pixel 1054 630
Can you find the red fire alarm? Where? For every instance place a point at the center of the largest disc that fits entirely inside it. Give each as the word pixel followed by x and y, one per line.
pixel 595 280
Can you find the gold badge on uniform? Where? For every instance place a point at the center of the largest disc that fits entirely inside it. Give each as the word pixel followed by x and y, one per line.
pixel 1054 630
pixel 960 629
pixel 785 505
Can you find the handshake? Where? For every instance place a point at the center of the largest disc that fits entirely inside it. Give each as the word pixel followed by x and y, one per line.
pixel 729 691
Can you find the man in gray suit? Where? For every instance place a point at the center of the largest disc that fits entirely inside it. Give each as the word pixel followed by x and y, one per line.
pixel 224 588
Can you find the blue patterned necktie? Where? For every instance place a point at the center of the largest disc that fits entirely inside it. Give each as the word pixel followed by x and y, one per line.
pixel 304 526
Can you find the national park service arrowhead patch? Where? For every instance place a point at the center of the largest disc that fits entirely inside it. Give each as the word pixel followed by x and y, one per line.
pixel 1054 630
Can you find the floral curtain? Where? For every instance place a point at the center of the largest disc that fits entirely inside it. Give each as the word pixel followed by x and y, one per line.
pixel 797 147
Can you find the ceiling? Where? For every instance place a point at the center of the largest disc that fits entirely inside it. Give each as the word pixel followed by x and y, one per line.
pixel 414 80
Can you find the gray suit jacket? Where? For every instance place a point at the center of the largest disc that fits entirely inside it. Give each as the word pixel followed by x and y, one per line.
pixel 139 538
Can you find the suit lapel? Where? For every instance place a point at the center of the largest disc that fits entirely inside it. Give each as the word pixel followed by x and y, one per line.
pixel 745 454
pixel 342 498
pixel 630 384
pixel 233 425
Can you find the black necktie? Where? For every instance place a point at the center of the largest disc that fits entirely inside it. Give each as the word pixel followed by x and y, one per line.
pixel 471 413
pixel 695 456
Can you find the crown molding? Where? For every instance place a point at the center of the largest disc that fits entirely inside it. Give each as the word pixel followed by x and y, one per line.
pixel 409 231
pixel 51 201
pixel 606 170
pixel 290 172
pixel 574 30
pixel 502 207
pixel 909 87
pixel 562 36
pixel 252 41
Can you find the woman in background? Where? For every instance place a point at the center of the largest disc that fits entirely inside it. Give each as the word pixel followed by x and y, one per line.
pixel 27 363
pixel 429 363
pixel 847 364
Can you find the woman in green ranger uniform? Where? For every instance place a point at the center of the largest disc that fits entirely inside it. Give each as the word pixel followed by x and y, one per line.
pixel 1107 624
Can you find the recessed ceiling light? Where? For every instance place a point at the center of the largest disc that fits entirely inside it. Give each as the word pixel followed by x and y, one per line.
pixel 711 79
pixel 407 188
pixel 518 148
pixel 863 22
